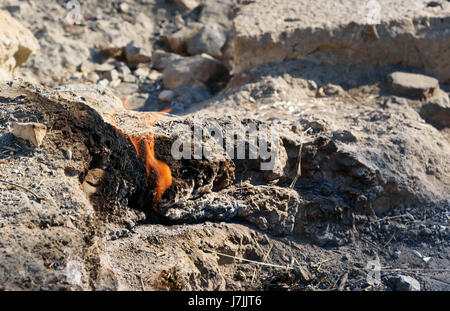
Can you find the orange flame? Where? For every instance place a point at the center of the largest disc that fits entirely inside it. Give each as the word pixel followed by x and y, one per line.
pixel 147 154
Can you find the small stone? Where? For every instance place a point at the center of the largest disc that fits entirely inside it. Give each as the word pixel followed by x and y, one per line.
pixel 93 77
pixel 414 85
pixel 417 254
pixel 404 283
pixel 187 4
pixel 69 154
pixel 437 111
pixel 135 54
pixel 142 72
pixel 192 71
pixel 396 254
pixel 210 40
pixel 166 96
pixel 124 70
pixel 320 92
pixel 124 7
pixel 77 75
pixel 188 95
pixel 411 217
pixel 103 82
pixel 262 223
pixel 240 276
pixel 111 75
pixel 154 75
pixel 178 40
pixel 344 136
pixel 32 132
pixel 162 59
pixel 114 83
pixel 333 90
pixel 87 67
pixel 304 274
pixel 129 78
pixel 312 85
pixel 105 67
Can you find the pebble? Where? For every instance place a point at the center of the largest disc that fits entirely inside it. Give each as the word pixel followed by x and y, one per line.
pixel 209 40
pixel 103 82
pixel 93 77
pixel 409 216
pixel 396 254
pixel 141 72
pixel 166 96
pixel 124 7
pixel 417 254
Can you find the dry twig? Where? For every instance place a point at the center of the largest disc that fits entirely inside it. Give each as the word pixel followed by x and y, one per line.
pixel 259 268
pixel 23 188
pixel 251 261
pixel 299 156
pixel 343 282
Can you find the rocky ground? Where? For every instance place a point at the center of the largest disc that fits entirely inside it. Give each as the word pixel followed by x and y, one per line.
pixel 361 115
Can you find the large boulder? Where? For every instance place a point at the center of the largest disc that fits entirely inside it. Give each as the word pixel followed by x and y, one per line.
pixel 345 32
pixel 16 45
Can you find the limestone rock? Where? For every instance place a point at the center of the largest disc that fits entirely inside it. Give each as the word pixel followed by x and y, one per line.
pixel 414 85
pixel 217 12
pixel 192 71
pixel 166 96
pixel 135 54
pixel 406 33
pixel 178 40
pixel 437 111
pixel 103 100
pixel 32 132
pixel 404 283
pixel 16 45
pixel 162 59
pixel 210 40
pixel 330 90
pixel 187 4
pixel 188 95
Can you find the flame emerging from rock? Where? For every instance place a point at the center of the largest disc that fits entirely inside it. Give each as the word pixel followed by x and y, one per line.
pixel 145 148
